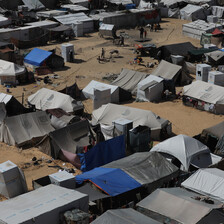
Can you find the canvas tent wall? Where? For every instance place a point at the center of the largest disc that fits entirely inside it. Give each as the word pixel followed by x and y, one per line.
pixel 32 128
pixel 217 11
pixel 196 28
pixel 45 99
pixel 129 79
pixel 106 114
pixel 9 72
pixel 207 182
pixel 43 205
pixel 176 205
pixel 212 96
pixel 88 91
pixel 150 89
pixel 192 13
pixel 188 151
pixel 124 216
pixel 77 17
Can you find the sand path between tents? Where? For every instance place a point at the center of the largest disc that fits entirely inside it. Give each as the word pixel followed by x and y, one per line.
pixel 185 120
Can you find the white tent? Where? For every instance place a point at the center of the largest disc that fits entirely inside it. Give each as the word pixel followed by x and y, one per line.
pixel 45 99
pixel 25 128
pixel 43 205
pixel 176 205
pixel 88 91
pixel 217 11
pixel 106 114
pixel 208 182
pixel 206 92
pixel 196 28
pixel 150 89
pixel 188 151
pixel 192 13
pixel 9 71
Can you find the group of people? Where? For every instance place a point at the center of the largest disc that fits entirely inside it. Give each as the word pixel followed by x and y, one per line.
pixel 153 26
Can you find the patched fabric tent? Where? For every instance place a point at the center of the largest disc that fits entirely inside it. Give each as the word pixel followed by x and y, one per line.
pixel 25 129
pixel 188 151
pixel 150 89
pixel 169 71
pixel 176 205
pixel 192 13
pixel 9 72
pixel 37 57
pixel 123 216
pixel 208 182
pixel 45 99
pixel 129 79
pixel 106 114
pixel 208 93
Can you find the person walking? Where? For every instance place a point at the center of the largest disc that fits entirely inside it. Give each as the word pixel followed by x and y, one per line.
pixel 145 34
pixel 141 32
pixel 102 53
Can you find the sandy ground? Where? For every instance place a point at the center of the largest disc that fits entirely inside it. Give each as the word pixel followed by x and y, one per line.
pixel 185 120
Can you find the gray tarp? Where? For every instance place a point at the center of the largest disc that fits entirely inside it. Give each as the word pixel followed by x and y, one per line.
pixel 33 4
pixel 215 55
pixel 43 205
pixel 123 216
pixel 145 167
pixel 177 204
pixel 209 181
pixel 192 13
pixel 216 130
pixel 106 114
pixel 167 70
pixel 129 79
pixel 21 129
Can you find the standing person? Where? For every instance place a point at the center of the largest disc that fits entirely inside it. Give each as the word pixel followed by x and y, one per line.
pixel 71 56
pixel 145 34
pixel 152 27
pixel 141 32
pixel 103 53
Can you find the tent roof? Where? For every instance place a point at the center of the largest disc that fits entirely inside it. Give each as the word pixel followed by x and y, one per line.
pixel 60 28
pixel 166 70
pixel 33 4
pixel 5 98
pixel 177 204
pixel 10 69
pixel 111 181
pixel 30 125
pixel 216 130
pixel 25 207
pixel 129 79
pixel 204 91
pixel 208 182
pixel 145 167
pixel 108 113
pixel 45 99
pixel 123 216
pixel 217 32
pixel 37 56
pixel 149 81
pixel 185 149
pixel 189 8
pixel 215 55
pixel 216 216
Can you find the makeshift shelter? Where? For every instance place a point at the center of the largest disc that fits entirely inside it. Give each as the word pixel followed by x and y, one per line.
pixel 107 30
pixel 77 17
pixel 123 216
pixel 45 99
pixel 198 54
pixel 150 89
pixel 74 8
pixel 204 96
pixel 32 128
pixel 196 28
pixel 169 71
pixel 10 73
pixel 192 13
pixel 188 151
pixel 51 13
pixel 216 216
pixel 44 205
pixel 217 38
pixel 175 49
pixel 106 114
pixel 129 79
pixel 215 57
pixel 37 57
pixel 33 5
pixel 67 138
pixel 175 205
pixel 147 169
pixel 207 182
pixel 217 11
pixel 72 91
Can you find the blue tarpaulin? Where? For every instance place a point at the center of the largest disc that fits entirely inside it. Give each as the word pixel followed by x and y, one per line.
pixel 103 153
pixel 111 181
pixel 37 57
